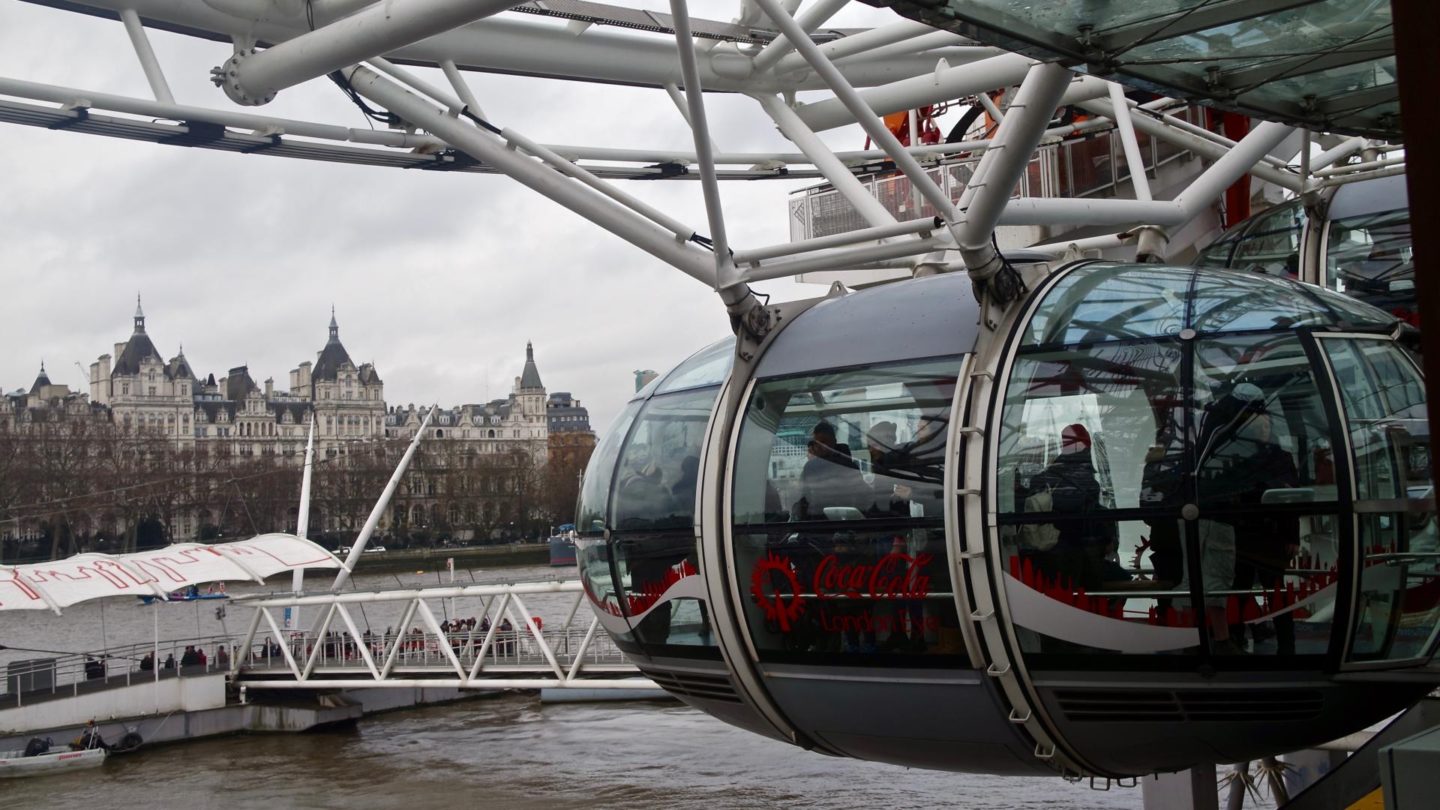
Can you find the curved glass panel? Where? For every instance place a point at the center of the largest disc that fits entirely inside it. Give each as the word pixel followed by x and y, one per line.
pixel 1371 258
pixel 1111 302
pixel 1183 496
pixel 592 549
pixel 1091 436
pixel 1271 245
pixel 653 539
pixel 1266 482
pixel 839 516
pixel 1399 600
pixel 1217 254
pixel 1232 302
pixel 709 366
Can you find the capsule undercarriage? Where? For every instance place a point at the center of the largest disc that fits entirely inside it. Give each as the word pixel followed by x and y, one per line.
pixel 1149 517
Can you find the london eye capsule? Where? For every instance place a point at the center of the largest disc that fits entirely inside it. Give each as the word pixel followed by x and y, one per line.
pixel 1145 518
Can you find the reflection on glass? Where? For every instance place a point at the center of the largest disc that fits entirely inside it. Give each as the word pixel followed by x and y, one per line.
pixel 599 472
pixel 593 556
pixel 1263 448
pixel 1231 302
pixel 839 511
pixel 654 539
pixel 1399 599
pixel 1271 245
pixel 1371 258
pixel 1262 433
pixel 709 366
pixel 1110 302
pixel 1087 431
pixel 1129 606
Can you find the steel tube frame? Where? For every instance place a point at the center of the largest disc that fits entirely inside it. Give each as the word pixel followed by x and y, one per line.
pixel 725 275
pixel 966 80
pixel 813 17
pixel 372 31
pixel 1005 162
pixel 923 225
pixel 860 43
pixel 675 226
pixel 1193 143
pixel 374 519
pixel 1139 181
pixel 939 45
pixel 869 121
pixel 461 87
pixel 842 259
pixel 302 517
pixel 148 63
pixel 1342 150
pixel 623 223
pixel 826 161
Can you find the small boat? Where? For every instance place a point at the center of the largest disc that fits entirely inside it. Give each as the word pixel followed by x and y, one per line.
pixel 186 595
pixel 25 763
pixel 562 546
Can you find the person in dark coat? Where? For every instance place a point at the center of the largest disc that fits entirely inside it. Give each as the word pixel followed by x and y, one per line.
pixel 830 477
pixel 1079 554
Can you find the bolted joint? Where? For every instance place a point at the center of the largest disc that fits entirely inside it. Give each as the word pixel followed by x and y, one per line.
pixel 226 77
pixel 1151 242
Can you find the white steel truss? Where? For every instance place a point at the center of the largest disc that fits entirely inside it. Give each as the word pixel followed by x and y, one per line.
pixel 771 52
pixel 507 649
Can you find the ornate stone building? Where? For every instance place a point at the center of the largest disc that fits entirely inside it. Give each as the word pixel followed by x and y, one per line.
pixel 480 472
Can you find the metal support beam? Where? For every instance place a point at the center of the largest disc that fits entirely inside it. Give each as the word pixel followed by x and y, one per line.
pixel 254 78
pixel 826 161
pixel 536 175
pixel 1001 168
pixel 148 63
pixel 868 119
pixel 814 17
pixel 374 519
pixel 860 43
pixel 727 279
pixel 1133 161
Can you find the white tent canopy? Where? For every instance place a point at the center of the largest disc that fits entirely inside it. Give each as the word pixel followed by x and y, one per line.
pixel 59 584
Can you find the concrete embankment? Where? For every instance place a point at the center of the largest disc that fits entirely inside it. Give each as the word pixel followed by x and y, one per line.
pixel 194 707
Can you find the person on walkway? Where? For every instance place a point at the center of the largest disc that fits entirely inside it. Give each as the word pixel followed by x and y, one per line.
pixel 170 661
pixel 147 664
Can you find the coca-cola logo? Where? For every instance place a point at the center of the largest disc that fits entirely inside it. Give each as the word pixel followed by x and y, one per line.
pixel 775 583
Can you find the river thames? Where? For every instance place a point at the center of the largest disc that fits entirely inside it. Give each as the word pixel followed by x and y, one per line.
pixel 505 750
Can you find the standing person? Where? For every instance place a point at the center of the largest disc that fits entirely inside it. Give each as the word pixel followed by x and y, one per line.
pixel 170 661
pixel 1265 542
pixel 1079 553
pixel 222 658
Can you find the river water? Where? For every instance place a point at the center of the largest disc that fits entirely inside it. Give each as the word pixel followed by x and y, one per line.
pixel 506 750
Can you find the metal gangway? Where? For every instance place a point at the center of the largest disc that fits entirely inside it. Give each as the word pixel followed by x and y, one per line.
pixel 506 648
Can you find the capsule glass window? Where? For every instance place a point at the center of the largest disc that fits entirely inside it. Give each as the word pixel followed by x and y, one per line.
pixel 838 511
pixel 653 537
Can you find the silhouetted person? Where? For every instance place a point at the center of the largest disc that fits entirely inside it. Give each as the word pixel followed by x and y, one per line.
pixel 1079 553
pixel 830 477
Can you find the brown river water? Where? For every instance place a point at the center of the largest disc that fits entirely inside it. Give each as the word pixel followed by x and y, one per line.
pixel 503 751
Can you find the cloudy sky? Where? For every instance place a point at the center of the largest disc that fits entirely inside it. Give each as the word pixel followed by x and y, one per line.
pixel 439 279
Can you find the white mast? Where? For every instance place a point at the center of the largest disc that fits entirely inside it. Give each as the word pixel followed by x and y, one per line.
pixel 302 520
pixel 374 519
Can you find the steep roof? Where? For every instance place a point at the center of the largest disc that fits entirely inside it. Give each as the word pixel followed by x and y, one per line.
pixel 530 377
pixel 137 349
pixel 42 379
pixel 179 368
pixel 332 357
pixel 239 384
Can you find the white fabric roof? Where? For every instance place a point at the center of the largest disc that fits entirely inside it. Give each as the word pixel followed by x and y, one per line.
pixel 59 584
